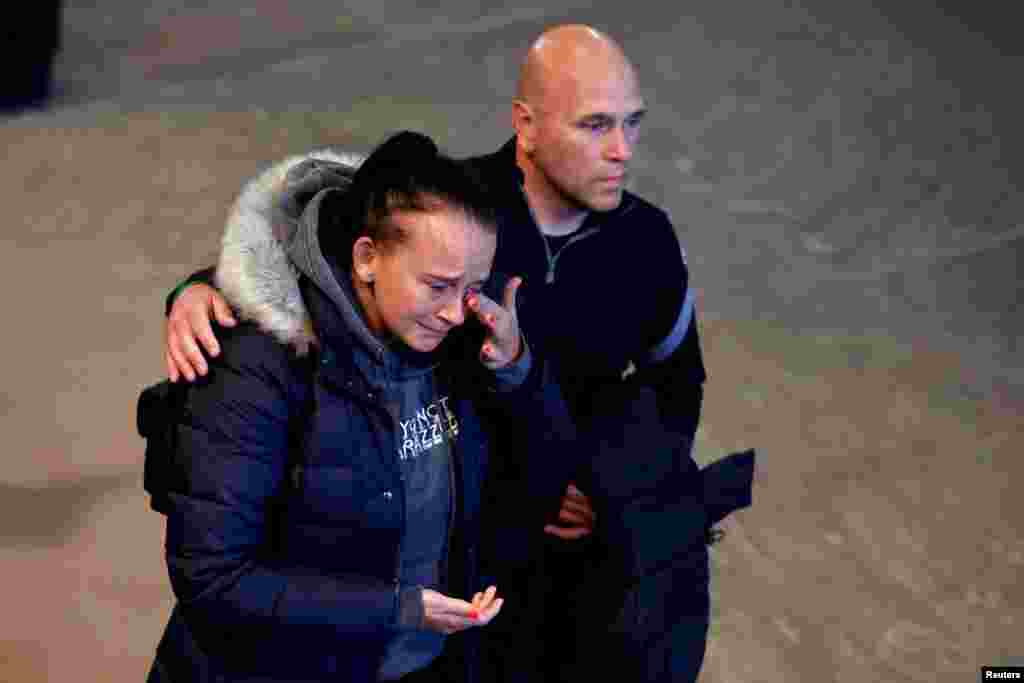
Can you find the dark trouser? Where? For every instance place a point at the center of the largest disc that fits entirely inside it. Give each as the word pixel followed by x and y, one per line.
pixel 180 660
pixel 158 674
pixel 459 662
pixel 512 644
pixel 432 674
pixel 652 631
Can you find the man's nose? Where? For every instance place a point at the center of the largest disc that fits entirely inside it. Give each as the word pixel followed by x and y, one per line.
pixel 620 147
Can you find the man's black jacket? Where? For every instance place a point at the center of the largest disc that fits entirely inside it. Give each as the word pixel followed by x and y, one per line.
pixel 613 297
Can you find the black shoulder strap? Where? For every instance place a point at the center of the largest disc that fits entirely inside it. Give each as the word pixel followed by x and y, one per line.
pixel 299 426
pixel 157 415
pixel 299 423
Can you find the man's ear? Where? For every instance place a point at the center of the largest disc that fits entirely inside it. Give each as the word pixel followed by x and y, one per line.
pixel 524 123
pixel 364 259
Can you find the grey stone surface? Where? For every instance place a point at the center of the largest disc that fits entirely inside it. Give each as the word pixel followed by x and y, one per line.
pixel 844 177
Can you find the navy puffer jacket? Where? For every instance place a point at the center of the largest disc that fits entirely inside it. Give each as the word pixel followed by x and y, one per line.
pixel 283 540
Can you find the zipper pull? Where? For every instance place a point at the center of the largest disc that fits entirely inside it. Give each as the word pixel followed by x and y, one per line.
pixel 550 277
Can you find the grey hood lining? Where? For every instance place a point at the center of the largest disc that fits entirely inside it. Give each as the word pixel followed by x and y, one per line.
pixel 264 250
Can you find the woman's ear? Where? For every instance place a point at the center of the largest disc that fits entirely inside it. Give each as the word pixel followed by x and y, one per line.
pixel 364 259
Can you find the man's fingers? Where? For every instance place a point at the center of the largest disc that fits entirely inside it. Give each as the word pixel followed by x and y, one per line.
pixel 576 508
pixel 574 494
pixel 193 353
pixel 571 516
pixel 565 533
pixel 200 326
pixel 222 311
pixel 184 367
pixel 172 369
pixel 575 517
pixel 185 351
pixel 568 518
pixel 576 501
pixel 578 504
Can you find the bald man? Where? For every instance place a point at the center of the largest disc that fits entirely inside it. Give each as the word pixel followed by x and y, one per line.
pixel 606 295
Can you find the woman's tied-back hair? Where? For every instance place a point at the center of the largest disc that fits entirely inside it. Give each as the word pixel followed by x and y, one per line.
pixel 404 173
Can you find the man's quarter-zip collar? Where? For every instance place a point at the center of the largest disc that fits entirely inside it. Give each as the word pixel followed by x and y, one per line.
pixel 591 225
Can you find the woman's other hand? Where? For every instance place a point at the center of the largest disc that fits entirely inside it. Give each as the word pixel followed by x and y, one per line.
pixel 451 615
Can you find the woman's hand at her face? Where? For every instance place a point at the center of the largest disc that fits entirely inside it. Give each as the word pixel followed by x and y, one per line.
pixel 451 615
pixel 504 343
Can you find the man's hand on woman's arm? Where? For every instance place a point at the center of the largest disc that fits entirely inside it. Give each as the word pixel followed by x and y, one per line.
pixel 188 321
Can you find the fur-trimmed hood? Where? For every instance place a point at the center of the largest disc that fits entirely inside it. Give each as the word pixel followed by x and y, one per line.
pixel 271 237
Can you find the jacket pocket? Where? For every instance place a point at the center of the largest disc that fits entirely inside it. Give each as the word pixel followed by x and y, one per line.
pixel 330 495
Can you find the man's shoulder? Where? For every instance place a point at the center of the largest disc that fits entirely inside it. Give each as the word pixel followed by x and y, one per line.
pixel 635 212
pixel 485 159
pixel 489 169
pixel 640 224
pixel 495 167
pixel 636 207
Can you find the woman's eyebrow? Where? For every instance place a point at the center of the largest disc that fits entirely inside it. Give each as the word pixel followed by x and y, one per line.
pixel 445 278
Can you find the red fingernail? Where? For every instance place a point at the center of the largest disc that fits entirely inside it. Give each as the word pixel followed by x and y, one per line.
pixel 490 319
pixel 474 615
pixel 487 349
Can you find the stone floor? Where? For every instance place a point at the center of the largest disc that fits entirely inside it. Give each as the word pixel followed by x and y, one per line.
pixel 844 180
